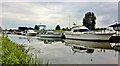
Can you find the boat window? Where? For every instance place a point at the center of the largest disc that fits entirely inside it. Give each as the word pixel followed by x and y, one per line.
pixel 81 30
pixel 116 28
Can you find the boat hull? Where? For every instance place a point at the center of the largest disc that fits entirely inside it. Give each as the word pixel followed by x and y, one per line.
pixel 91 37
pixel 31 34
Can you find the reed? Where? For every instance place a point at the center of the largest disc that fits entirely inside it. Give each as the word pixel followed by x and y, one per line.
pixel 12 53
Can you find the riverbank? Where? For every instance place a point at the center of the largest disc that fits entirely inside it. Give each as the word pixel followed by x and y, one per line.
pixel 13 53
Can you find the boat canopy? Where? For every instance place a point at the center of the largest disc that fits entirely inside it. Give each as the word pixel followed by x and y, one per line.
pixel 116 27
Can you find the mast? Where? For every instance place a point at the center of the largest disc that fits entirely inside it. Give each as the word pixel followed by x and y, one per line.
pixel 69 22
pixel 117 28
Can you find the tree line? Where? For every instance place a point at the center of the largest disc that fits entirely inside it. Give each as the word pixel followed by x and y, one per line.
pixel 89 21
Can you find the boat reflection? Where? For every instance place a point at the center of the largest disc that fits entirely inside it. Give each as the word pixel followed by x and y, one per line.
pixel 81 49
pixel 50 40
pixel 77 45
pixel 116 46
pixel 88 46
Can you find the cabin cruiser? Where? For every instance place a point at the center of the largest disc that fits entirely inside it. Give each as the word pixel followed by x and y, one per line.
pixel 83 33
pixel 50 34
pixel 116 37
pixel 31 33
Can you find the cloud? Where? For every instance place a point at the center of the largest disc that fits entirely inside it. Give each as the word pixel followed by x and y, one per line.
pixel 60 0
pixel 53 13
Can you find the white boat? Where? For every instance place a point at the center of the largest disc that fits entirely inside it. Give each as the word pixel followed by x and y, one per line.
pixel 31 33
pixel 50 34
pixel 83 33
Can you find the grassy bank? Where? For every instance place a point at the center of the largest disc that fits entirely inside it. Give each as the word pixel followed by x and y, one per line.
pixel 58 31
pixel 13 53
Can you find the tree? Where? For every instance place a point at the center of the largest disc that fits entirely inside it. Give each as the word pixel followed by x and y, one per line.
pixel 57 27
pixel 63 29
pixel 36 27
pixel 89 20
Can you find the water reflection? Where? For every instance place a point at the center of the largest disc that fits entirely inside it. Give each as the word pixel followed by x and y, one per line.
pixel 116 46
pixel 50 40
pixel 90 46
pixel 61 51
pixel 77 45
pixel 28 38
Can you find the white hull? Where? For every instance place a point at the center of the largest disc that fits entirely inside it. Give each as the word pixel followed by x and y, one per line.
pixel 89 36
pixel 50 36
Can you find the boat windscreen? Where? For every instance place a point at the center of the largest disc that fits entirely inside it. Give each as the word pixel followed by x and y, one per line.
pixel 116 28
pixel 81 30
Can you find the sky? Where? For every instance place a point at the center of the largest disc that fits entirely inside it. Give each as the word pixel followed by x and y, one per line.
pixel 15 14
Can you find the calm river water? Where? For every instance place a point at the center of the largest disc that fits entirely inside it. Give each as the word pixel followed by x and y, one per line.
pixel 58 51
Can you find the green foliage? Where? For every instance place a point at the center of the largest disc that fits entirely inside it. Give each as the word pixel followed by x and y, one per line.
pixel 57 27
pixel 89 20
pixel 13 53
pixel 59 31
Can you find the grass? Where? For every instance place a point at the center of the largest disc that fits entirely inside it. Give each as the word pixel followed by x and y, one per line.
pixel 13 53
pixel 59 31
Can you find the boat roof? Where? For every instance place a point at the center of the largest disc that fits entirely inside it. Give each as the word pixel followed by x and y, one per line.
pixel 115 25
pixel 79 27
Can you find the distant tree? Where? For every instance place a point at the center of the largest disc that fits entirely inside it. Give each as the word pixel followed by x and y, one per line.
pixel 89 20
pixel 30 28
pixel 22 28
pixel 36 27
pixel 57 27
pixel 63 29
pixel 67 28
pixel 10 29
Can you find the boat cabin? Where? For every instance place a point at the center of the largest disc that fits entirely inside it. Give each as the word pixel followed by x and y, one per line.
pixel 116 27
pixel 80 29
pixel 50 32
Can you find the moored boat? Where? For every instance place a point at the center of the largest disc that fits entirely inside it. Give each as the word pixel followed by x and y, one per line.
pixel 83 33
pixel 51 34
pixel 31 33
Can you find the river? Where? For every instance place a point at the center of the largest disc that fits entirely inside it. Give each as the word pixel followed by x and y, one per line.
pixel 59 51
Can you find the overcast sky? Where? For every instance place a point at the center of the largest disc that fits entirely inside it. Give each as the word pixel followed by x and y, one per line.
pixel 15 14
